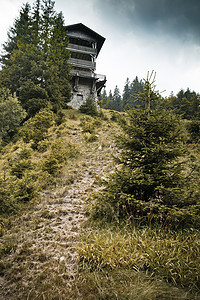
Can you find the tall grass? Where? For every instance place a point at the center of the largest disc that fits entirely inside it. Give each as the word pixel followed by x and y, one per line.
pixel 174 257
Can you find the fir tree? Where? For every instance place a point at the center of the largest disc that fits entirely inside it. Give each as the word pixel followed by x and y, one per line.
pixel 36 66
pixel 117 102
pixel 126 95
pixel 21 31
pixel 155 181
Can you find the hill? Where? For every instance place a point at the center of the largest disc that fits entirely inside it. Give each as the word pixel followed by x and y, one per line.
pixel 50 249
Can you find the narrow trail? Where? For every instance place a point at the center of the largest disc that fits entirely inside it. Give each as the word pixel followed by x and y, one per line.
pixel 46 240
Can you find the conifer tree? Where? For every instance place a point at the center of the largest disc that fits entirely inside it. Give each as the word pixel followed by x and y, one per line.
pixel 155 181
pixel 136 87
pixel 11 113
pixel 35 63
pixel 126 95
pixel 117 102
pixel 21 31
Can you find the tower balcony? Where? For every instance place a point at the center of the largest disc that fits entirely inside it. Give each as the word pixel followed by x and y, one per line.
pixel 82 49
pixel 88 74
pixel 83 74
pixel 80 63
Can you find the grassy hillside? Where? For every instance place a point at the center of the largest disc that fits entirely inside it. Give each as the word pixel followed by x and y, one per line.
pixel 50 249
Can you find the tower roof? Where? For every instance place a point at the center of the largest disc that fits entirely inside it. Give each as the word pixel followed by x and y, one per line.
pixel 81 31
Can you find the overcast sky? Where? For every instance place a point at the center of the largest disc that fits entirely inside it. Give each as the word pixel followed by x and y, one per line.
pixel 141 36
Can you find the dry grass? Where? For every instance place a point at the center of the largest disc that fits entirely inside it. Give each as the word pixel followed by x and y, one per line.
pixel 38 247
pixel 163 255
pixel 39 258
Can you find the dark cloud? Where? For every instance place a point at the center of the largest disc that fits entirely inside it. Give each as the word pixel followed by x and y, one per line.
pixel 175 17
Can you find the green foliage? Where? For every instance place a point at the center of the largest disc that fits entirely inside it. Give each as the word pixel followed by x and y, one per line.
pixel 174 257
pixel 59 153
pixel 11 113
pixel 36 128
pixel 59 117
pixel 115 117
pixel 193 128
pixel 7 200
pixel 18 183
pixel 90 137
pixel 35 63
pixel 88 125
pixel 130 93
pixel 156 180
pixel 128 99
pixel 116 99
pixel 20 162
pixel 185 103
pixel 33 97
pixel 25 188
pixel 8 246
pixel 89 107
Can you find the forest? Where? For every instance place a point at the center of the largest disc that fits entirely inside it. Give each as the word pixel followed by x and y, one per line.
pixel 94 204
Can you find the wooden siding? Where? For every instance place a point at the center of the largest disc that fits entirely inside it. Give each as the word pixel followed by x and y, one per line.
pixel 82 49
pixel 82 63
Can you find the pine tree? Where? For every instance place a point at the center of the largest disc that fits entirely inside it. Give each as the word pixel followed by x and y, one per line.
pixel 117 102
pixel 11 113
pixel 155 181
pixel 37 68
pixel 58 86
pixel 19 32
pixel 89 107
pixel 136 87
pixel 126 95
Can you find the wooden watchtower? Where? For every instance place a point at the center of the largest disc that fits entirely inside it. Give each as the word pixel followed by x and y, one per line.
pixel 84 45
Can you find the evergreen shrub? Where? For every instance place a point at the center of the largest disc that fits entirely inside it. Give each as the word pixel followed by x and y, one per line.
pixel 36 128
pixel 89 107
pixel 157 179
pixel 193 128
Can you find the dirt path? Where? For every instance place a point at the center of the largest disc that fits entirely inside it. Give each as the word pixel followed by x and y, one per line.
pixel 42 260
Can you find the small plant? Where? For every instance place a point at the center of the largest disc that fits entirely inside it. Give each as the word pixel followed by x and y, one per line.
pixel 90 137
pixel 42 146
pixel 36 128
pixel 8 203
pixel 8 246
pixel 51 165
pixel 89 125
pixel 59 117
pixel 89 107
pixel 25 188
pixel 59 153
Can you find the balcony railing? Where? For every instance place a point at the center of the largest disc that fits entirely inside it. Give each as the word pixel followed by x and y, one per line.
pixel 88 74
pixel 82 63
pixel 82 49
pixel 84 74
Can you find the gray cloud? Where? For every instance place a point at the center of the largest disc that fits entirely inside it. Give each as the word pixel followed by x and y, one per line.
pixel 179 18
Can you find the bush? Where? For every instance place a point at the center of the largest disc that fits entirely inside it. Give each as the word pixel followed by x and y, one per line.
pixel 8 203
pixel 193 128
pixel 36 128
pixel 25 188
pixel 11 113
pixel 59 153
pixel 20 162
pixel 89 107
